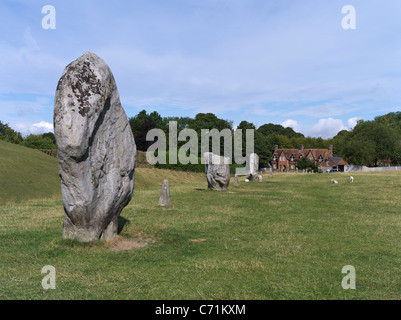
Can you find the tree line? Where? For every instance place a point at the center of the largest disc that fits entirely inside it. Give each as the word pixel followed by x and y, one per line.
pixel 370 143
pixel 34 141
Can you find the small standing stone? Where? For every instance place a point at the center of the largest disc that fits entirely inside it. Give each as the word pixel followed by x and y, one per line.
pixel 164 200
pixel 236 180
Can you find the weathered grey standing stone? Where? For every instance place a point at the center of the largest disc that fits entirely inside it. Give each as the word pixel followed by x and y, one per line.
pixel 217 170
pixel 164 200
pixel 236 180
pixel 254 165
pixel 271 172
pixel 96 150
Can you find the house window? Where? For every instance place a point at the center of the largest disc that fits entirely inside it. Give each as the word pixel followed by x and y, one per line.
pixel 320 159
pixel 328 164
pixel 292 158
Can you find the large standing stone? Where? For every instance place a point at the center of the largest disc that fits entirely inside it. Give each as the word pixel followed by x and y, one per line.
pixel 217 170
pixel 164 199
pixel 96 150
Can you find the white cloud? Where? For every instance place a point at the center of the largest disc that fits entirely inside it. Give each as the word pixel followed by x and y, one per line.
pixel 352 122
pixel 35 128
pixel 327 128
pixel 291 124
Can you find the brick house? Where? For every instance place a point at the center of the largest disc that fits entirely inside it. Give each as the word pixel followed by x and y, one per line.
pixel 286 159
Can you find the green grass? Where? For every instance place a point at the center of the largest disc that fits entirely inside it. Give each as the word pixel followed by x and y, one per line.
pixel 285 238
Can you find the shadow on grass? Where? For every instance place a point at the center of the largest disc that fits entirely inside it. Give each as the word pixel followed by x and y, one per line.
pixel 121 223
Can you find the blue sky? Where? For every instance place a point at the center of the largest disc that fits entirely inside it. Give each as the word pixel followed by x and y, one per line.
pixel 288 62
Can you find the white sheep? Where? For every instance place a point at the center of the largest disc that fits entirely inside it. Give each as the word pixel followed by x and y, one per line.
pixel 351 179
pixel 334 181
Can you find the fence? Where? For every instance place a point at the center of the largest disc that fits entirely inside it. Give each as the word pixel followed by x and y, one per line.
pixel 351 168
pixel 50 152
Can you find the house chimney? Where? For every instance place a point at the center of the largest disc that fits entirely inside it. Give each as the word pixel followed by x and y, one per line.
pixel 276 147
pixel 331 150
pixel 301 148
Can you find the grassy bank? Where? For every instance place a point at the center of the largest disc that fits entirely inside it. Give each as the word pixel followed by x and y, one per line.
pixel 26 174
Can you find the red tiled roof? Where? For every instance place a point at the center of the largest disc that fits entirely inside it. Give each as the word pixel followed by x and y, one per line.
pixel 288 153
pixel 316 153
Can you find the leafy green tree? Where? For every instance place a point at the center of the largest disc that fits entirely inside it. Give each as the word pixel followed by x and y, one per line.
pixel 209 121
pixel 392 119
pixel 339 142
pixel 49 135
pixel 263 149
pixel 9 135
pixel 359 151
pixel 37 141
pixel 305 163
pixel 270 128
pixel 141 124
pixel 371 143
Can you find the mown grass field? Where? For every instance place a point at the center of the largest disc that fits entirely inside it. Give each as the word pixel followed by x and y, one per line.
pixel 285 238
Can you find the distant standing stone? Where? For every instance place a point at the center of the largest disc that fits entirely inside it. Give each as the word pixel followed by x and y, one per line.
pixel 236 180
pixel 164 200
pixel 217 170
pixel 254 165
pixel 96 150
